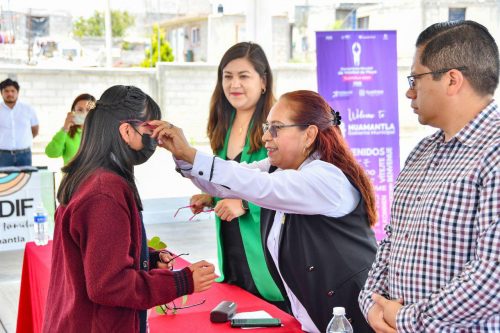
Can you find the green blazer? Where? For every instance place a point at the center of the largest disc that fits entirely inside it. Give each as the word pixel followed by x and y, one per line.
pixel 250 233
pixel 63 145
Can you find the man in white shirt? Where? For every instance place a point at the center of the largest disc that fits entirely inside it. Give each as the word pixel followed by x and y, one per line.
pixel 18 127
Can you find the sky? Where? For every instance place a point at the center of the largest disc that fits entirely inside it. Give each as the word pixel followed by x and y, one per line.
pixel 75 7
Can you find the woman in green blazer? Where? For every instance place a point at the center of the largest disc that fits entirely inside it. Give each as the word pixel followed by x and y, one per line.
pixel 239 106
pixel 66 141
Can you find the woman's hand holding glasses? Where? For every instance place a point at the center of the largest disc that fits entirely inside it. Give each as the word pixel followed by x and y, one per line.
pixel 199 201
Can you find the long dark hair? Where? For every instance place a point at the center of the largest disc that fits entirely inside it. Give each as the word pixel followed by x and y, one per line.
pixel 102 145
pixel 310 108
pixel 82 97
pixel 220 108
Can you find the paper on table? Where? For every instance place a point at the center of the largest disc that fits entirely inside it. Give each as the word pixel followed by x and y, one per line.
pixel 251 315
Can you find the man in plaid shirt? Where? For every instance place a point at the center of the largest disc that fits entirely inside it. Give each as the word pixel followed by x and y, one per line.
pixel 438 270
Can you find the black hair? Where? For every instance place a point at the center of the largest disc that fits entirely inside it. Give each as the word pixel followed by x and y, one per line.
pixel 102 145
pixel 462 44
pixel 8 83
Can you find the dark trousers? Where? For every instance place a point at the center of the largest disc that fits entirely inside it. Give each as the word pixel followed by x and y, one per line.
pixel 15 158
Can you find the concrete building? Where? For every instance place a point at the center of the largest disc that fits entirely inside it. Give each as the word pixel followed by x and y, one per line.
pixel 408 17
pixel 28 27
pixel 205 37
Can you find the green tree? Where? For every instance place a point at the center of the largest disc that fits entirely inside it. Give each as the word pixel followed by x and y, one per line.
pixel 338 25
pixel 120 22
pixel 94 25
pixel 166 53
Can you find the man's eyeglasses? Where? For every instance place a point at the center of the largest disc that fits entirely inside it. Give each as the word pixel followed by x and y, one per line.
pixel 174 308
pixel 192 217
pixel 273 128
pixel 412 78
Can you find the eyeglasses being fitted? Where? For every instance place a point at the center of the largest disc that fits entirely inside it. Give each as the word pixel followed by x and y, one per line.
pixel 138 123
pixel 273 128
pixel 412 78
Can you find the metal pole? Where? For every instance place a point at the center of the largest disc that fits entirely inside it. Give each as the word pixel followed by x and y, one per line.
pixel 159 40
pixel 159 45
pixel 107 27
pixel 151 53
pixel 30 32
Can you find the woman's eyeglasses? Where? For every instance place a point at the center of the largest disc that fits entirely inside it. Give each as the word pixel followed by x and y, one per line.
pixel 191 206
pixel 273 128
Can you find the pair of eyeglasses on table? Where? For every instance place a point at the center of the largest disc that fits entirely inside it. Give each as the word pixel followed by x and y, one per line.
pixel 191 206
pixel 173 308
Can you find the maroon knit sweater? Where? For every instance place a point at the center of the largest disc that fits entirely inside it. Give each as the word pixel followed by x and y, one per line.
pixel 96 284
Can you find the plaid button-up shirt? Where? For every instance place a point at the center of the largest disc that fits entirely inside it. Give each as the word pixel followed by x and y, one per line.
pixel 442 251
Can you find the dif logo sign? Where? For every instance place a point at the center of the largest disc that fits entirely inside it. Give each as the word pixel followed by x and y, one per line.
pixel 14 205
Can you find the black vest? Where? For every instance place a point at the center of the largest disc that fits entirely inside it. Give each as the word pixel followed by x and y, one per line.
pixel 324 261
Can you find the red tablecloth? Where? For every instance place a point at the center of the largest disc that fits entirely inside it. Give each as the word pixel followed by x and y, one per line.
pixel 35 283
pixel 34 286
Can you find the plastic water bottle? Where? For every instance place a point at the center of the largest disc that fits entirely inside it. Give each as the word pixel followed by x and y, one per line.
pixel 339 323
pixel 41 225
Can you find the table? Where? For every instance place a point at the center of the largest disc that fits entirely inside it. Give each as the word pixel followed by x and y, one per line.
pixel 35 282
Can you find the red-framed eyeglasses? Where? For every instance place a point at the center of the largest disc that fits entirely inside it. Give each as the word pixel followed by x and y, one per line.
pixel 192 217
pixel 138 122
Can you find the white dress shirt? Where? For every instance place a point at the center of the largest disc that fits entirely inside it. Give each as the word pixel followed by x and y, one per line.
pixel 15 126
pixel 317 187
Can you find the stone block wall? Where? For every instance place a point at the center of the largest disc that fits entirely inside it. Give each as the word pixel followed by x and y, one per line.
pixel 52 91
pixel 183 92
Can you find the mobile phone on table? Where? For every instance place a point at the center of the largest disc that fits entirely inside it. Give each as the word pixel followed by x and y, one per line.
pixel 256 322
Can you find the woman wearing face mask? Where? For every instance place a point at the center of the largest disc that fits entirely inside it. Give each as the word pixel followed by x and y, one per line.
pixel 66 142
pixel 103 276
pixel 317 205
pixel 240 104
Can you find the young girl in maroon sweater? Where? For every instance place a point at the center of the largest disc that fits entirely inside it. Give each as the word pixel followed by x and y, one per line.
pixel 103 276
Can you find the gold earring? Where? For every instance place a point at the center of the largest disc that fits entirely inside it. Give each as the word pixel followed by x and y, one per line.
pixel 263 91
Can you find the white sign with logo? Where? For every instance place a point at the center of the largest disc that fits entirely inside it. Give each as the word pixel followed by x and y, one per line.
pixel 20 193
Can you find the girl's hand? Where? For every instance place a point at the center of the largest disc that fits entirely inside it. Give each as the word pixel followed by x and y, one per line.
pixel 166 260
pixel 203 275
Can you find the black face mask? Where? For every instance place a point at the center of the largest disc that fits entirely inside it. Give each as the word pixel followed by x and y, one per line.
pixel 140 156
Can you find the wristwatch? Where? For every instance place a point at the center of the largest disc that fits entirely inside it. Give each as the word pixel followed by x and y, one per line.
pixel 244 204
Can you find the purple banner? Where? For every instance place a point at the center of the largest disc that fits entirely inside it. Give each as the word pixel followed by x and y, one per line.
pixel 357 75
